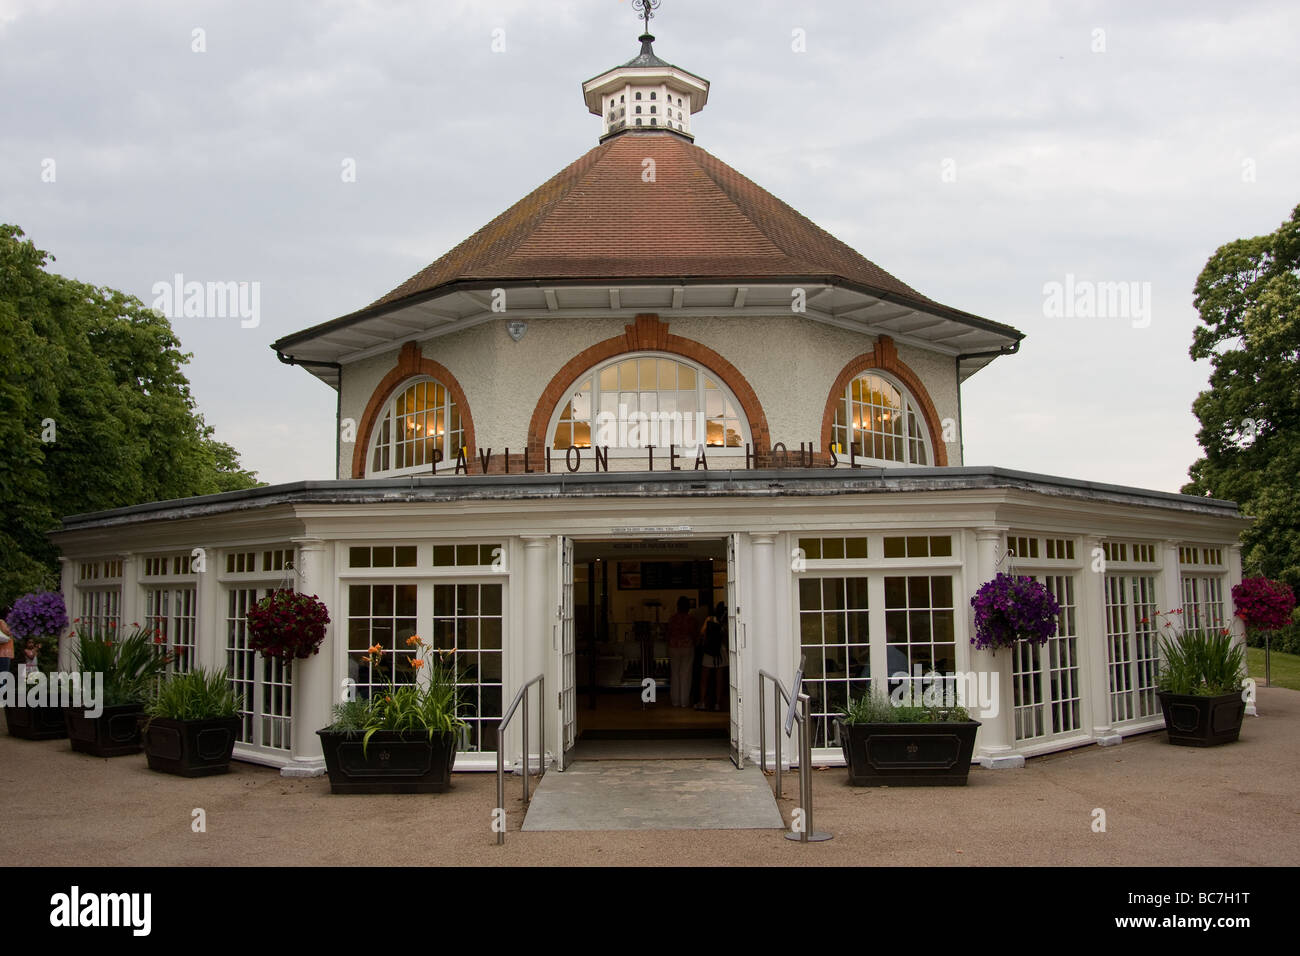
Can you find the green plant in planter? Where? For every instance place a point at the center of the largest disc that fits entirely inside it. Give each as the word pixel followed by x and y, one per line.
pixel 1197 662
pixel 197 695
pixel 131 665
pixel 429 707
pixel 876 707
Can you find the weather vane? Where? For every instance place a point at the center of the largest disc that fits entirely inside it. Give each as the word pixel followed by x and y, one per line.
pixel 647 8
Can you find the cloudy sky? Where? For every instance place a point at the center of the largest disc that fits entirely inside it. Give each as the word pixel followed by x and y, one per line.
pixel 980 151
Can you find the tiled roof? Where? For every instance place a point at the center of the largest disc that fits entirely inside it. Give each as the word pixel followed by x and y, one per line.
pixel 698 219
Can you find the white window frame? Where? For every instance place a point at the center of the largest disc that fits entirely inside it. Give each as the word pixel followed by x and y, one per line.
pixel 911 410
pixel 449 453
pixel 640 451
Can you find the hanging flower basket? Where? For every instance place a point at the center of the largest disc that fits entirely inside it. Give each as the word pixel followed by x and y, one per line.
pixel 1263 604
pixel 287 625
pixel 1013 608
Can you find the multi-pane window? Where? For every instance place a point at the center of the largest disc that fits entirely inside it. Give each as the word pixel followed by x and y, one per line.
pixel 919 630
pixel 383 615
pixel 876 419
pixel 382 556
pixel 266 684
pixel 1046 677
pixel 101 609
pixel 833 549
pixel 919 546
pixel 100 588
pixel 170 601
pixel 467 620
pixel 1202 572
pixel 1132 646
pixel 421 426
pixel 170 617
pixel 1203 602
pixel 834 637
pixel 635 402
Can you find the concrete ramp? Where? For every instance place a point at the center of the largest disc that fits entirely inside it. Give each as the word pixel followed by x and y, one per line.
pixel 653 795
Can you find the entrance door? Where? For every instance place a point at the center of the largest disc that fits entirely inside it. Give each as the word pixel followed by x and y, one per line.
pixel 735 651
pixel 565 647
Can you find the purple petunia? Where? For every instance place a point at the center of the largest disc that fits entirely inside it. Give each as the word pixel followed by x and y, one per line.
pixel 1011 608
pixel 39 614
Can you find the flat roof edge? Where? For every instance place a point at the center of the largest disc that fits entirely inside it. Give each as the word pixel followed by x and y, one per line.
pixel 785 482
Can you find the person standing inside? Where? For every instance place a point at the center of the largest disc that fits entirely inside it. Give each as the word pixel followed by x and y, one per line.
pixel 715 658
pixel 681 653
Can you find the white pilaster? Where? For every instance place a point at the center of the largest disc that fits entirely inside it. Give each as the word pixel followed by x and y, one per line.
pixel 1171 581
pixel 313 677
pixel 210 614
pixel 1236 624
pixel 131 612
pixel 1092 634
pixel 68 586
pixel 539 623
pixel 994 744
pixel 763 644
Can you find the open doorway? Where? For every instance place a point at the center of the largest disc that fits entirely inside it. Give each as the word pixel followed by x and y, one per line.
pixel 626 595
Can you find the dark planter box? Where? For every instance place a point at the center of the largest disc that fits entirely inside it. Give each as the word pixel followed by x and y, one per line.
pixel 908 755
pixel 114 733
pixel 394 762
pixel 1193 721
pixel 190 748
pixel 36 723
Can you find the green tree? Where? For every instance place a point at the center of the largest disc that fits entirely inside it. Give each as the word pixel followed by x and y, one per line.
pixel 1248 296
pixel 101 375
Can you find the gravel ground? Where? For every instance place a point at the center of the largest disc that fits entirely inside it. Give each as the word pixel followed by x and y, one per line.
pixel 1164 806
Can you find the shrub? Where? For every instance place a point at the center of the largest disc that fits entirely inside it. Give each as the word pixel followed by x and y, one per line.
pixel 197 695
pixel 1201 663
pixel 131 665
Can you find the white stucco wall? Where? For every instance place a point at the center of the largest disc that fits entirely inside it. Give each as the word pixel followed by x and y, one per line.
pixel 790 362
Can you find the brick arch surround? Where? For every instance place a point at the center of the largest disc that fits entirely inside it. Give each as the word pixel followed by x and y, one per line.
pixel 884 357
pixel 647 334
pixel 410 364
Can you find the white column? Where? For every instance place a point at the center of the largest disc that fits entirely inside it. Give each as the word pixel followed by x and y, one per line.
pixel 68 585
pixel 131 610
pixel 1092 634
pixel 1171 582
pixel 761 632
pixel 1236 624
pixel 313 677
pixel 537 629
pixel 209 613
pixel 996 738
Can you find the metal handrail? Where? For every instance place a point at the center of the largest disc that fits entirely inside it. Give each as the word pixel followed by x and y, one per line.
pixel 521 695
pixel 808 834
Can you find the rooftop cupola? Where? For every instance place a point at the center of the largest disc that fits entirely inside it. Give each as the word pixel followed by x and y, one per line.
pixel 646 93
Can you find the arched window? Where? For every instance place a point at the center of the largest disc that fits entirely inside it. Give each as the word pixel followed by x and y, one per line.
pixel 421 425
pixel 881 421
pixel 639 400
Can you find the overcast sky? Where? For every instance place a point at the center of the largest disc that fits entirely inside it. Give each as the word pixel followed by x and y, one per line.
pixel 977 150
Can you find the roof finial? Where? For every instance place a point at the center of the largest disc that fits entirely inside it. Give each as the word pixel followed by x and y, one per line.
pixel 647 8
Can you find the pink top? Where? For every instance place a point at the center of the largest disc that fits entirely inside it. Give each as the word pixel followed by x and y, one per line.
pixel 7 647
pixel 681 631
